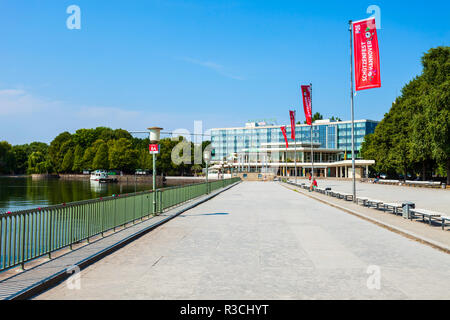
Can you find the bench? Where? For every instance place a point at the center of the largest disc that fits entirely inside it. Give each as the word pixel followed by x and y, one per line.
pixel 363 200
pixel 346 196
pixel 432 184
pixel 425 213
pixel 376 203
pixel 393 206
pixel 388 181
pixel 443 219
pixel 320 190
pixel 334 194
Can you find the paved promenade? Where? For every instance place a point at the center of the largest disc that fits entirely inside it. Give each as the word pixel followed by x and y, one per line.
pixel 425 198
pixel 264 241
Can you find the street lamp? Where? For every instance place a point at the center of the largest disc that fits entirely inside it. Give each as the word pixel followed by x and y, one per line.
pixel 207 157
pixel 154 150
pixel 231 162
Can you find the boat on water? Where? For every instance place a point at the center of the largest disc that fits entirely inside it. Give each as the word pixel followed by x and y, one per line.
pixel 102 176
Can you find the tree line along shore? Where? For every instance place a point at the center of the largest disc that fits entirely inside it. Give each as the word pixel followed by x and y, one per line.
pixel 91 149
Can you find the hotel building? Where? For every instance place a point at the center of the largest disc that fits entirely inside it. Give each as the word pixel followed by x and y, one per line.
pixel 260 147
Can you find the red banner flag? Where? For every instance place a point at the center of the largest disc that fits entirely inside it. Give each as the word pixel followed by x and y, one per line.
pixel 306 95
pixel 292 115
pixel 283 129
pixel 367 55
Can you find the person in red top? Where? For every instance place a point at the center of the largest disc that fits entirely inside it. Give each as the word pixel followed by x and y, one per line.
pixel 313 185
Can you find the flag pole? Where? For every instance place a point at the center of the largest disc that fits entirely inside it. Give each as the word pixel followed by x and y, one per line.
pixel 312 152
pixel 295 146
pixel 285 163
pixel 353 112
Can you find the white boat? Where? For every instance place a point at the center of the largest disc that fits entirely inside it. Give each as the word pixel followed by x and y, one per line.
pixel 101 176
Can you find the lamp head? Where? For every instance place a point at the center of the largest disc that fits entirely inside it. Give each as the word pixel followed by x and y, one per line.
pixel 154 134
pixel 207 156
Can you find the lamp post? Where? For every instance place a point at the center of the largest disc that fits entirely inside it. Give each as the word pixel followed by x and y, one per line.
pixel 154 150
pixel 207 157
pixel 231 163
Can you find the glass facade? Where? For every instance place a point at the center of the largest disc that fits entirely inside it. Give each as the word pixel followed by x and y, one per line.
pixel 330 135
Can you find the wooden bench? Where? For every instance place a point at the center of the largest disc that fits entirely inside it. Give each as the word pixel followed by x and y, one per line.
pixel 425 213
pixel 393 206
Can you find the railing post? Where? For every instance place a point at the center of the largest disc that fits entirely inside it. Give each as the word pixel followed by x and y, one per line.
pixel 71 228
pixel 88 218
pixel 142 206
pixel 23 242
pixel 50 234
pixel 102 212
pixel 115 212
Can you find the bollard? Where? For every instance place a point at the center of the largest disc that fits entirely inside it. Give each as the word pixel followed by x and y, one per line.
pixel 406 207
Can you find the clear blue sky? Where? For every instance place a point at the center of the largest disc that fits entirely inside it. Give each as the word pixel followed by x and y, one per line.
pixel 136 64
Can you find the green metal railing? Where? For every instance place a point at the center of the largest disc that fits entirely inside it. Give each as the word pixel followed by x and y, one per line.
pixel 29 234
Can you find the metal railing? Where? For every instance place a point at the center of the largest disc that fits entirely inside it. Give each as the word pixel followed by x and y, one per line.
pixel 29 234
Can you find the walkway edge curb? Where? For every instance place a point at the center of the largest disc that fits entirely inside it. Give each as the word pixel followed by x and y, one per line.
pixel 408 234
pixel 57 278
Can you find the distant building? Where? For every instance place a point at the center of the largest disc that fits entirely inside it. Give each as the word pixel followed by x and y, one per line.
pixel 258 147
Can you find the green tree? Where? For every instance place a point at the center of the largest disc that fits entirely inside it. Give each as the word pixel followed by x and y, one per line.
pixel 78 159
pixel 21 154
pixel 67 163
pixel 56 157
pixel 333 118
pixel 414 136
pixel 7 159
pixel 436 73
pixel 88 158
pixel 196 168
pixel 122 156
pixel 38 163
pixel 145 160
pixel 101 160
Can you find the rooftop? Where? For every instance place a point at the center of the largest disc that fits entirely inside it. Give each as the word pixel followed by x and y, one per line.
pixel 263 125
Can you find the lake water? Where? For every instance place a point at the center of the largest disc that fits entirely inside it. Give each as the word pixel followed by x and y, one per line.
pixel 25 193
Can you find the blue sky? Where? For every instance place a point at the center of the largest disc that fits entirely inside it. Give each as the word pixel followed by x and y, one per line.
pixel 136 64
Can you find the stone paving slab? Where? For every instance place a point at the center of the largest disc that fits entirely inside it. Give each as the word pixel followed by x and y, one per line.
pixel 264 241
pixel 23 282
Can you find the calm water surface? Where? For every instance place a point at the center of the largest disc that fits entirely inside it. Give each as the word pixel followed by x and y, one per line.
pixel 25 193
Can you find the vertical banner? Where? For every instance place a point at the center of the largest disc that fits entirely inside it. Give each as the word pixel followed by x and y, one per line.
pixel 292 115
pixel 306 95
pixel 367 55
pixel 283 129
